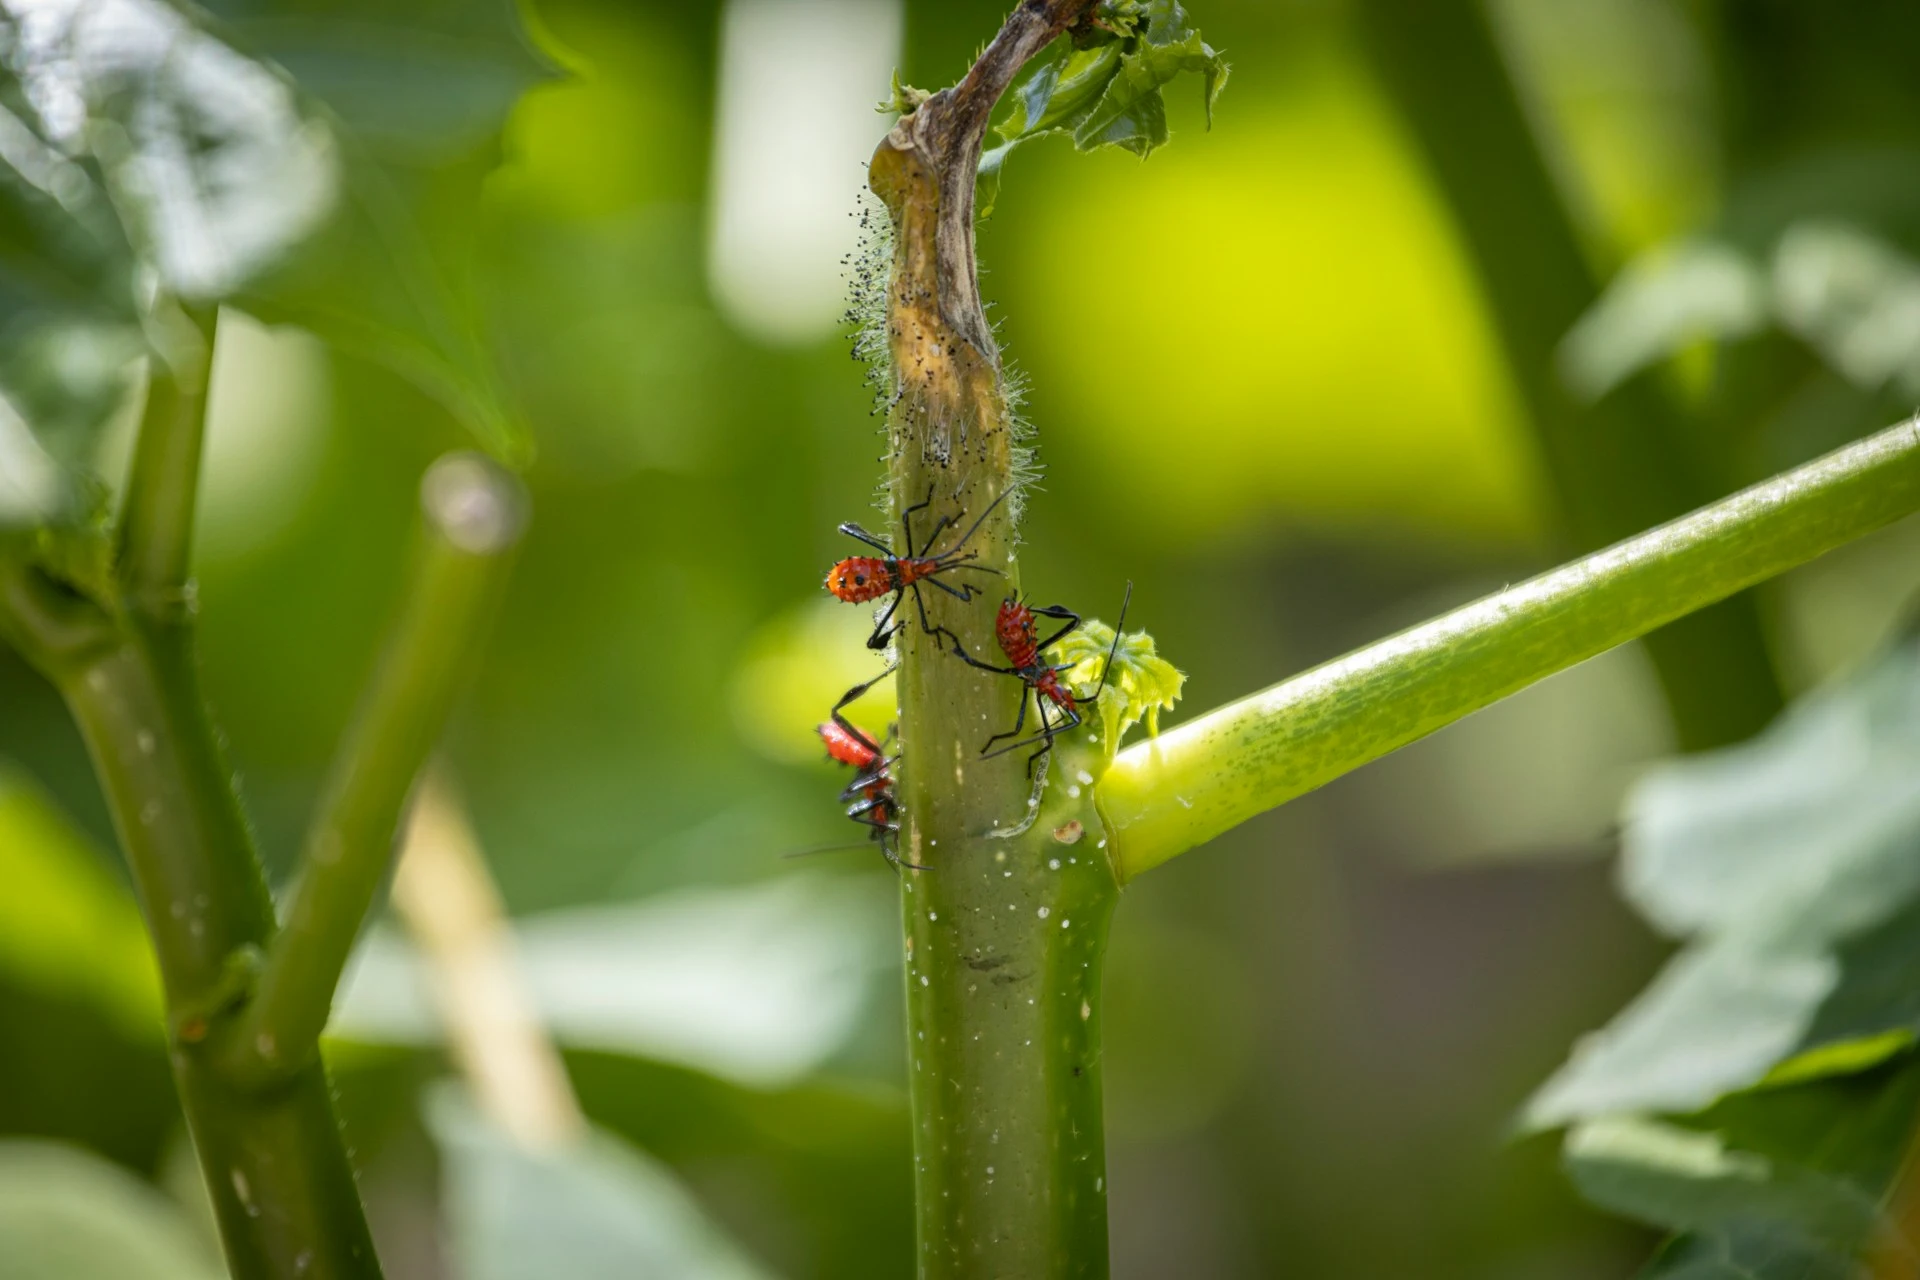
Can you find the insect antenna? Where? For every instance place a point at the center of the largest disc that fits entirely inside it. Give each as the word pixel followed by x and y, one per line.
pixel 1115 649
pixel 968 537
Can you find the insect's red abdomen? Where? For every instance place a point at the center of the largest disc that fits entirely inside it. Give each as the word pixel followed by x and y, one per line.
pixel 1013 627
pixel 858 579
pixel 1048 686
pixel 847 748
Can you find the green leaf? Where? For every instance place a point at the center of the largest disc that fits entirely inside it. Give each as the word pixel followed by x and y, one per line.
pixel 1140 685
pixel 1817 1158
pixel 1750 1251
pixel 68 928
pixel 1790 864
pixel 594 1209
pixel 144 159
pixel 68 1215
pixel 760 985
pixel 1106 91
pixel 1784 1182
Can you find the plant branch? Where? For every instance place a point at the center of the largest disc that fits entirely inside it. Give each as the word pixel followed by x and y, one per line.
pixel 1617 467
pixel 472 517
pixel 274 1164
pixel 163 480
pixel 1167 795
pixel 1003 942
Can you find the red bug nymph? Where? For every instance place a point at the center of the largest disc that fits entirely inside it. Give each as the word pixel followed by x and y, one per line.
pixel 1016 627
pixel 858 579
pixel 869 798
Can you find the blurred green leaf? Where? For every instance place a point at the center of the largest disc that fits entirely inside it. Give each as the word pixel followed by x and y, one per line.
pixel 1784 1181
pixel 67 927
pixel 151 160
pixel 595 1209
pixel 1750 1251
pixel 67 1215
pixel 1790 862
pixel 758 985
pixel 1107 94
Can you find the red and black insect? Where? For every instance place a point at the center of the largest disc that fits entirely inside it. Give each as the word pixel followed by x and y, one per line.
pixel 1017 629
pixel 858 579
pixel 869 798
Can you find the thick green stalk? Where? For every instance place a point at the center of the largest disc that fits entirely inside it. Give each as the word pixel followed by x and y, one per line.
pixel 1617 467
pixel 275 1166
pixel 1003 939
pixel 1167 795
pixel 473 514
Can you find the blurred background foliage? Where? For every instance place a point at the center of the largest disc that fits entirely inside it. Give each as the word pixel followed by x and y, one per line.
pixel 1271 389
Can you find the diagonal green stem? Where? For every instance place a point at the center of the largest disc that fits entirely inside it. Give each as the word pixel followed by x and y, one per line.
pixel 473 515
pixel 1167 795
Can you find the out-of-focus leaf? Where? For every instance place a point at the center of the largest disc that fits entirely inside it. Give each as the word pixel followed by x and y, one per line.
pixel 154 161
pixel 1816 1157
pixel 1793 863
pixel 67 927
pixel 1107 94
pixel 1804 1170
pixel 1849 294
pixel 1751 1251
pixel 1658 305
pixel 596 1209
pixel 757 985
pixel 1855 299
pixel 67 1215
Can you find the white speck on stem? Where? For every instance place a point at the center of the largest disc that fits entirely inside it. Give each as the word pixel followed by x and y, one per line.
pixel 923 979
pixel 1045 912
pixel 1065 923
pixel 1053 864
pixel 933 915
pixel 1086 1011
pixel 1086 779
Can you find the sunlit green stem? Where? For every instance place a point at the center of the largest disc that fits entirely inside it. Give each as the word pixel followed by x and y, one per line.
pixel 473 514
pixel 1166 795
pixel 1003 940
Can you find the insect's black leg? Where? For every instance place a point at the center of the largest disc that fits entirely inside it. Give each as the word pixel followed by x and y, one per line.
pixel 1057 611
pixel 853 530
pixel 968 535
pixel 964 594
pixel 906 519
pixel 960 652
pixel 852 695
pixel 1070 720
pixel 882 633
pixel 1019 723
pixel 863 811
pixel 927 628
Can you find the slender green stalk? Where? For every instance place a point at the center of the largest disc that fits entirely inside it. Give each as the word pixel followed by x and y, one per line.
pixel 1003 943
pixel 163 482
pixel 275 1167
pixel 473 514
pixel 1169 794
pixel 1617 467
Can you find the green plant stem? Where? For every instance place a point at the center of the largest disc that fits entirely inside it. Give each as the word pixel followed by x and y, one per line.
pixel 1169 794
pixel 473 514
pixel 1002 949
pixel 157 512
pixel 1625 464
pixel 275 1167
